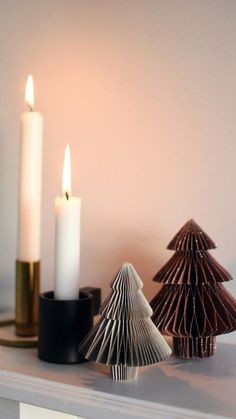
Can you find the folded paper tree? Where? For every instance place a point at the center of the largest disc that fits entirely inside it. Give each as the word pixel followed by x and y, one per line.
pixel 193 306
pixel 125 337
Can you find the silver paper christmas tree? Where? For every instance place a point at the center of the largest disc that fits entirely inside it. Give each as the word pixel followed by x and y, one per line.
pixel 125 337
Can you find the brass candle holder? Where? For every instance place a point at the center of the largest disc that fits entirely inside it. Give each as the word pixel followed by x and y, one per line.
pixel 27 298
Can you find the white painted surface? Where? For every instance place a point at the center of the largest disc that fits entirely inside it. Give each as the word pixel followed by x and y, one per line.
pixel 9 409
pixel 33 412
pixel 174 389
pixel 145 93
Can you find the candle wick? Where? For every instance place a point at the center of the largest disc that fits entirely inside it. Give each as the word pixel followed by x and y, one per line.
pixel 30 108
pixel 67 196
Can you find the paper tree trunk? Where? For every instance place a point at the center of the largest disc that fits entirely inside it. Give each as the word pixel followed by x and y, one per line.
pixel 125 337
pixel 193 306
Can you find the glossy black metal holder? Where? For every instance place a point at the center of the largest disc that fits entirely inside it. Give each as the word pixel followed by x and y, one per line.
pixel 63 324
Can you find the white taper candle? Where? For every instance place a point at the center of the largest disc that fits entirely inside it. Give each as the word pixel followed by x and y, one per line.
pixel 67 239
pixel 31 138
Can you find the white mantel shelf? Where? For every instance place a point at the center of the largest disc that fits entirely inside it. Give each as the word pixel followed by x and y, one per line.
pixel 174 389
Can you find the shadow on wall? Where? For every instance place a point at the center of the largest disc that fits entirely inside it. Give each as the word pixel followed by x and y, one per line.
pixel 135 250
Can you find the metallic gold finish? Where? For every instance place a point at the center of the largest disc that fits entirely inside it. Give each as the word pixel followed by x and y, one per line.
pixel 27 298
pixel 16 343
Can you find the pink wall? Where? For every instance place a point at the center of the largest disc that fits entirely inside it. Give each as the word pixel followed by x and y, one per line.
pixel 145 93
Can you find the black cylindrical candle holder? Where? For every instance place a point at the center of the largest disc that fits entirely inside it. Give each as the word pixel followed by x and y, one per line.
pixel 63 324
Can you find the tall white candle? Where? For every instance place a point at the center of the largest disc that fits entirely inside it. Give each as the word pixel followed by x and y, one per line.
pixel 31 138
pixel 67 238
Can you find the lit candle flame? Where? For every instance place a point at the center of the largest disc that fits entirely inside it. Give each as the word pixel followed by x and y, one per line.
pixel 66 178
pixel 29 93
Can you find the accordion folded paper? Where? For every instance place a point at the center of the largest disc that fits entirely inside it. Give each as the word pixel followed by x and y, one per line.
pixel 193 306
pixel 125 337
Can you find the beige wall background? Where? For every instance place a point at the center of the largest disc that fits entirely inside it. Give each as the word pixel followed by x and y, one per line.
pixel 145 93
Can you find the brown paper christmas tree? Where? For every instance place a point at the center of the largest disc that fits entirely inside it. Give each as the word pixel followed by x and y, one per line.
pixel 125 337
pixel 193 306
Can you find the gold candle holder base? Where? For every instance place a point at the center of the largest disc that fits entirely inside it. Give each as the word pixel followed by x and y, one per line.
pixel 8 338
pixel 27 298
